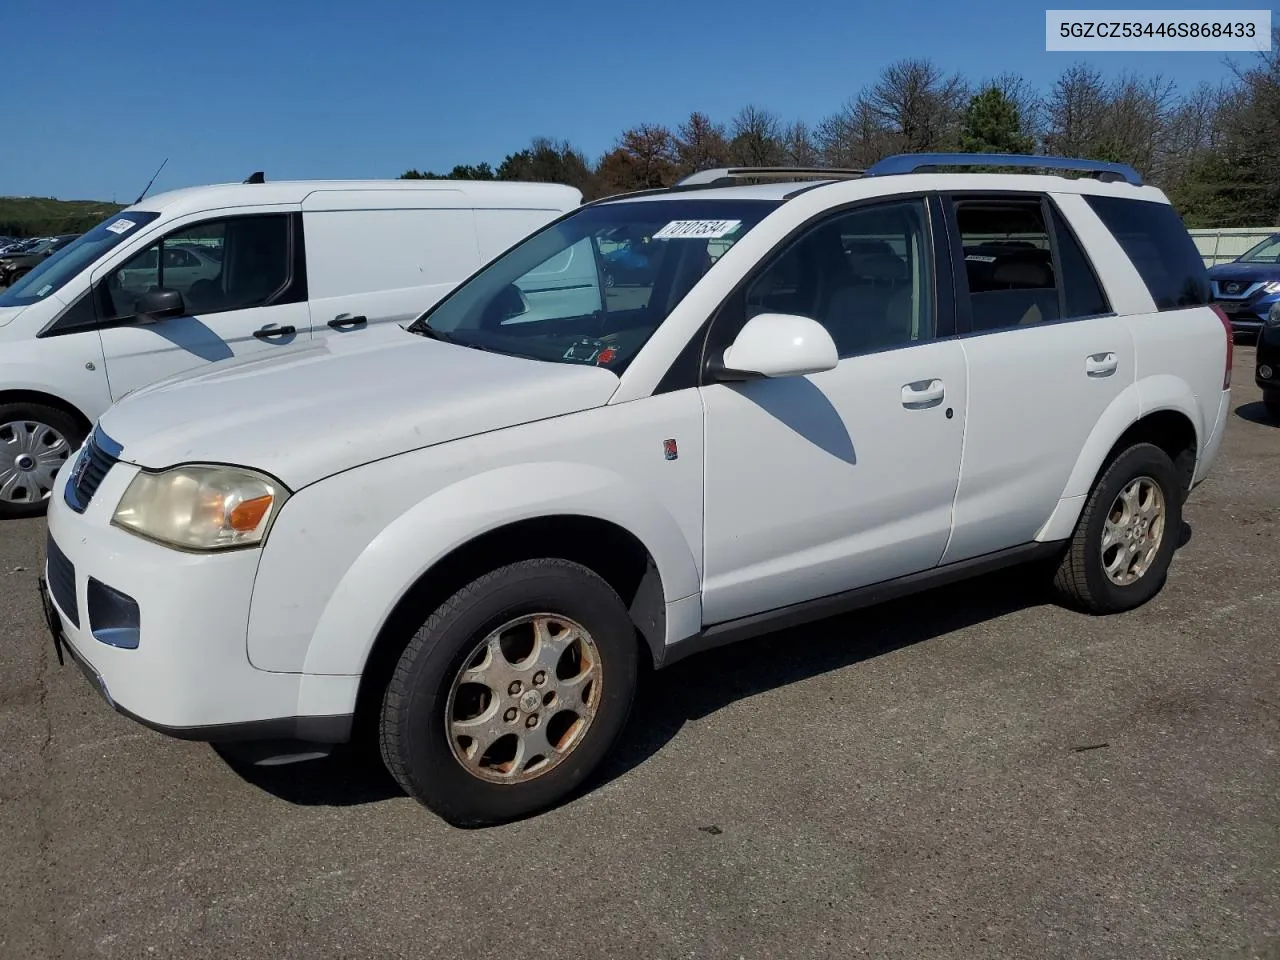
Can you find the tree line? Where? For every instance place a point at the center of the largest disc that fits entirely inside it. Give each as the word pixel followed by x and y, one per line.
pixel 1215 150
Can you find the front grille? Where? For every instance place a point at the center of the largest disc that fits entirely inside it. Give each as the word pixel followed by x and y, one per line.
pixel 62 581
pixel 90 469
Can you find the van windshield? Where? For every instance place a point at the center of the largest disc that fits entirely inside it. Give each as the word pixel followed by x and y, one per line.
pixel 593 287
pixel 52 274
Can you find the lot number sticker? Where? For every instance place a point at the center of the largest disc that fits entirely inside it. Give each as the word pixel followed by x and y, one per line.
pixel 121 226
pixel 697 229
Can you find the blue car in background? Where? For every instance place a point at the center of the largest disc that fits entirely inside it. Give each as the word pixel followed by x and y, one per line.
pixel 1248 287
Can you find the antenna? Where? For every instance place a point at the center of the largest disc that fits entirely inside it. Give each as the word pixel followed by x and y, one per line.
pixel 256 177
pixel 151 181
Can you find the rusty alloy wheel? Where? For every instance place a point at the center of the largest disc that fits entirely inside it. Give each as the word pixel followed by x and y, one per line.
pixel 524 699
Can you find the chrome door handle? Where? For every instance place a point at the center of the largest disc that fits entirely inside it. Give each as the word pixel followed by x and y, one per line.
pixel 1101 365
pixel 922 394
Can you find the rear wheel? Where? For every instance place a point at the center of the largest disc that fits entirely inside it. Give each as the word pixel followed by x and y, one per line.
pixel 35 441
pixel 1119 555
pixel 511 693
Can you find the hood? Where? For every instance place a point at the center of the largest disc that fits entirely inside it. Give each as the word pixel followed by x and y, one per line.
pixel 8 313
pixel 304 413
pixel 1247 272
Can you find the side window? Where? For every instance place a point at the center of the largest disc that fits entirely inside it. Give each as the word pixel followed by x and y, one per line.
pixel 1008 263
pixel 1157 242
pixel 217 265
pixel 1082 295
pixel 866 275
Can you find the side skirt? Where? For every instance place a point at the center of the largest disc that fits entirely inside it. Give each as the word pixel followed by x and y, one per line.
pixel 793 615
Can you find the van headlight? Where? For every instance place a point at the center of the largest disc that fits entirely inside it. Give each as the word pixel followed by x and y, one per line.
pixel 201 507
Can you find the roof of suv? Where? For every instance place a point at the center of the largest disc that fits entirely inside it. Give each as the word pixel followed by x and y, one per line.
pixel 783 190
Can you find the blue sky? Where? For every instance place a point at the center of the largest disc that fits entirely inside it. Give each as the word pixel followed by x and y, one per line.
pixel 97 94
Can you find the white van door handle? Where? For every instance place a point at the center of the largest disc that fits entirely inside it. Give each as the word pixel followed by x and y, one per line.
pixel 1101 365
pixel 922 394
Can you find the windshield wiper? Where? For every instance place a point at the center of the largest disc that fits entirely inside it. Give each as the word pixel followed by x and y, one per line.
pixel 444 336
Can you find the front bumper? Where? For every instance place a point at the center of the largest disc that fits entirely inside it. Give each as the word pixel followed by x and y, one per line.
pixel 184 670
pixel 1247 315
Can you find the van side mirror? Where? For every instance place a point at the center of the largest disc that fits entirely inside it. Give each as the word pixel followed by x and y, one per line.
pixel 779 345
pixel 155 305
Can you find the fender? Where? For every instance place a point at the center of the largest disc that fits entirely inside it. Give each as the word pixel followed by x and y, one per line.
pixel 70 381
pixel 1140 399
pixel 420 537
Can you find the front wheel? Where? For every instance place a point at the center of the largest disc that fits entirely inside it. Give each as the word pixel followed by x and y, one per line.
pixel 35 441
pixel 511 693
pixel 1124 541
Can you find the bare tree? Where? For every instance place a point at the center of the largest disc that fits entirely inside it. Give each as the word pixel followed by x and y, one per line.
pixel 798 144
pixel 701 144
pixel 855 136
pixel 919 104
pixel 757 138
pixel 1075 112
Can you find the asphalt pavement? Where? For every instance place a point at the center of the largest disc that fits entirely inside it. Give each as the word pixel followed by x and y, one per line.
pixel 971 773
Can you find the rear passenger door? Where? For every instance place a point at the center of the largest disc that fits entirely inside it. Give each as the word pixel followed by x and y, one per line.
pixel 1046 356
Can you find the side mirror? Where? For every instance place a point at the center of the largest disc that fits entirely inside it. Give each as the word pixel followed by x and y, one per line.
pixel 159 304
pixel 779 345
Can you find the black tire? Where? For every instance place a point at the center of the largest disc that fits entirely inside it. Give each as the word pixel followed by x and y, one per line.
pixel 71 430
pixel 414 742
pixel 1272 400
pixel 1081 582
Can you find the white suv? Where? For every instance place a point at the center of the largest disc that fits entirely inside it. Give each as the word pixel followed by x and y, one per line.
pixel 471 532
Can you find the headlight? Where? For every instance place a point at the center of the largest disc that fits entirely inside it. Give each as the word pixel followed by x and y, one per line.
pixel 1273 315
pixel 1272 287
pixel 201 507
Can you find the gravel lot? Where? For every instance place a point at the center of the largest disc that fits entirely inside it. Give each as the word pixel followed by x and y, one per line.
pixel 974 773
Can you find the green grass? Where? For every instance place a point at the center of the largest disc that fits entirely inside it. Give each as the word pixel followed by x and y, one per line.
pixel 44 216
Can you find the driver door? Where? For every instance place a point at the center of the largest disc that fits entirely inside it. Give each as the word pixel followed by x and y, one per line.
pixel 243 287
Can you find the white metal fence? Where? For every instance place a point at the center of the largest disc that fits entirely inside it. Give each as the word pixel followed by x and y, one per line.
pixel 1225 244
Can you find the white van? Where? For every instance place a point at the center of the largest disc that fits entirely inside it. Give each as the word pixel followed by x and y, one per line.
pixel 223 271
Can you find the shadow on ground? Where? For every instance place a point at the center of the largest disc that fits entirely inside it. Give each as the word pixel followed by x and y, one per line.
pixel 699 686
pixel 1255 412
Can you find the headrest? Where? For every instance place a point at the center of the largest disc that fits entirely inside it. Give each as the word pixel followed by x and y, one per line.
pixel 882 266
pixel 1022 273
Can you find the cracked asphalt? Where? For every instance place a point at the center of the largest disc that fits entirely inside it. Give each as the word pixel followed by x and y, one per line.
pixel 970 773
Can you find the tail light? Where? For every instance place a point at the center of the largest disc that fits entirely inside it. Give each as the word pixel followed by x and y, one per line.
pixel 1231 344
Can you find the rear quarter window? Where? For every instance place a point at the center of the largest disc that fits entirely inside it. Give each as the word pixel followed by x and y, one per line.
pixel 1157 242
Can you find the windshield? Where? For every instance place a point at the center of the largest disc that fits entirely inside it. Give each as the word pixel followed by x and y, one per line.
pixel 1268 251
pixel 593 287
pixel 53 273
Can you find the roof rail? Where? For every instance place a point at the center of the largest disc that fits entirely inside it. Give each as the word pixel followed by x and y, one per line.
pixel 722 175
pixel 911 162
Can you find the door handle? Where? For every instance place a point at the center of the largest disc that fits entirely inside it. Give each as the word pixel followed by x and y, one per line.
pixel 922 394
pixel 1101 364
pixel 345 321
pixel 275 330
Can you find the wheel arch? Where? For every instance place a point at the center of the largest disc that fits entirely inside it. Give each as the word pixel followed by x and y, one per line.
pixel 1168 423
pixel 18 395
pixel 605 547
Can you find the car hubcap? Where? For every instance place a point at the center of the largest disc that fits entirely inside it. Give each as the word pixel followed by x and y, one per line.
pixel 524 699
pixel 30 456
pixel 1133 531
